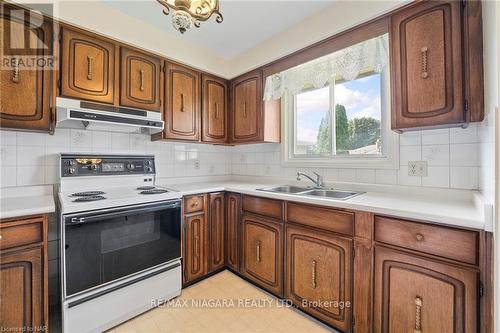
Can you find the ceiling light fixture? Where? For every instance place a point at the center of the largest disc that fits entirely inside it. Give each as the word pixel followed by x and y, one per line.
pixel 187 13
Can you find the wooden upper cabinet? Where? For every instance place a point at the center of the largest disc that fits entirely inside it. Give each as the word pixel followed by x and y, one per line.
pixel 182 103
pixel 214 109
pixel 217 243
pixel 195 260
pixel 246 99
pixel 140 83
pixel 87 67
pixel 318 273
pixel 25 93
pixel 427 65
pixel 415 294
pixel 232 231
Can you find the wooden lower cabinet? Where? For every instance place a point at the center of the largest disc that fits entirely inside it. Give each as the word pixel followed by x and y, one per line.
pixel 23 274
pixel 416 294
pixel 318 274
pixel 232 231
pixel 262 256
pixel 195 257
pixel 216 216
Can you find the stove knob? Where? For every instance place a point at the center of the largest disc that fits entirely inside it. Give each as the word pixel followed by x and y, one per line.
pixel 130 166
pixel 71 162
pixel 148 162
pixel 92 167
pixel 71 171
pixel 149 169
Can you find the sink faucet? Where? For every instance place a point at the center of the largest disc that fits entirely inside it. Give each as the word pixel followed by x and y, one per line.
pixel 319 179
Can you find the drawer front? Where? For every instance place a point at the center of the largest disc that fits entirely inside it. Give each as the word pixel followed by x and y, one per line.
pixel 262 206
pixel 194 203
pixel 461 245
pixel 22 232
pixel 320 217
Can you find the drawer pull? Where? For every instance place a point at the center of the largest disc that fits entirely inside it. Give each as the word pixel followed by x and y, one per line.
pixel 258 251
pixel 313 272
pixel 244 110
pixel 15 74
pixel 89 67
pixel 182 102
pixel 418 318
pixel 195 204
pixel 216 110
pixel 419 237
pixel 141 73
pixel 425 73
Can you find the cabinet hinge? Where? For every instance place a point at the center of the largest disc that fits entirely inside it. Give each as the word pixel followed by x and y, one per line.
pixel 466 106
pixel 481 289
pixel 353 253
pixel 60 37
pixel 353 321
pixel 59 84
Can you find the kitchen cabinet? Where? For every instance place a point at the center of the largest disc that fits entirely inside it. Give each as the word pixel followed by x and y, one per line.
pixel 428 65
pixel 232 231
pixel 247 107
pixel 418 294
pixel 195 259
pixel 87 67
pixel 140 80
pixel 318 274
pixel 23 273
pixel 217 225
pixel 181 113
pixel 262 252
pixel 25 92
pixel 214 109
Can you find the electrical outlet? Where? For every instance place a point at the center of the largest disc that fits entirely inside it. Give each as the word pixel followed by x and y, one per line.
pixel 417 168
pixel 197 164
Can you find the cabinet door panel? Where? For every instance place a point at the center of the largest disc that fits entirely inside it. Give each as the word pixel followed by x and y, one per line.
pixel 140 80
pixel 216 231
pixel 427 65
pixel 262 253
pixel 414 293
pixel 319 271
pixel 232 231
pixel 214 109
pixel 195 247
pixel 182 90
pixel 25 93
pixel 87 70
pixel 247 108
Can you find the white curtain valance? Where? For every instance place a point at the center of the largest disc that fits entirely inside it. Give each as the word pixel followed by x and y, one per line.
pixel 347 63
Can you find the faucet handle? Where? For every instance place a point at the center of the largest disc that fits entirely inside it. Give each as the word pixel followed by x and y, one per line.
pixel 319 178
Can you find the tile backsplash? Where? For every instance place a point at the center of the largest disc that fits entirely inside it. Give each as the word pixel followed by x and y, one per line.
pixel 32 158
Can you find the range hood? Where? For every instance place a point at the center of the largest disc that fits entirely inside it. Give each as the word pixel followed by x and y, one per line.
pixel 78 114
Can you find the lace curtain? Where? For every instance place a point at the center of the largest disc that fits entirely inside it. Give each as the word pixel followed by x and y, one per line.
pixel 346 63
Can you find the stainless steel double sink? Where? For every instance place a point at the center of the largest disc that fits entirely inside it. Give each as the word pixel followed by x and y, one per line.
pixel 313 192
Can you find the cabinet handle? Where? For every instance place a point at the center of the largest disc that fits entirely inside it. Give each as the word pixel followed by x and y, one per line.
pixel 15 74
pixel 418 319
pixel 141 72
pixel 419 237
pixel 313 272
pixel 424 51
pixel 244 110
pixel 90 60
pixel 216 110
pixel 182 102
pixel 258 251
pixel 196 247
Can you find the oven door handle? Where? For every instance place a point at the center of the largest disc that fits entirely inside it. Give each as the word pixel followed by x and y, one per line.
pixel 92 218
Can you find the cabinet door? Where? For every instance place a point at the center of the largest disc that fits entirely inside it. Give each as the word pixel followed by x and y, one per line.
pixel 214 124
pixel 262 253
pixel 25 93
pixel 22 289
pixel 232 231
pixel 427 65
pixel 247 108
pixel 87 67
pixel 216 212
pixel 319 273
pixel 183 99
pixel 140 80
pixel 423 295
pixel 195 247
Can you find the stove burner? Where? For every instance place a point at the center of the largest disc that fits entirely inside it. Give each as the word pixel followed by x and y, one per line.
pixel 89 198
pixel 87 194
pixel 154 191
pixel 144 188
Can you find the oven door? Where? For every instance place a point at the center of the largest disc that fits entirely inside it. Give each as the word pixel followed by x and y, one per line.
pixel 106 245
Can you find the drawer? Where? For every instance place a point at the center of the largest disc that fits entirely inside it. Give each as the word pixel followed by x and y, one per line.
pixel 320 217
pixel 21 232
pixel 461 245
pixel 262 206
pixel 194 203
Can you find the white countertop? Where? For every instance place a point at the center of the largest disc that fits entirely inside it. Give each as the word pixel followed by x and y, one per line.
pixel 460 212
pixel 25 205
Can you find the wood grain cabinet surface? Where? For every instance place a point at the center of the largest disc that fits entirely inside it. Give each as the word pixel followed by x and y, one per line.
pixel 195 259
pixel 318 274
pixel 140 82
pixel 23 274
pixel 233 231
pixel 415 294
pixel 87 67
pixel 262 252
pixel 214 109
pixel 216 213
pixel 25 93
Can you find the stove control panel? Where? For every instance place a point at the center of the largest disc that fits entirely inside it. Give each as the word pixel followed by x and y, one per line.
pixel 100 165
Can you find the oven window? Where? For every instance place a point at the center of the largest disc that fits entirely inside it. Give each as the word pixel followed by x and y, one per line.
pixel 108 249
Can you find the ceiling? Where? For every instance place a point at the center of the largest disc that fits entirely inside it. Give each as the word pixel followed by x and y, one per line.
pixel 246 23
